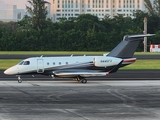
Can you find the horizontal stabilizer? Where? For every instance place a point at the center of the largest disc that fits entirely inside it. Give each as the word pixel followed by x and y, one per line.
pixel 140 35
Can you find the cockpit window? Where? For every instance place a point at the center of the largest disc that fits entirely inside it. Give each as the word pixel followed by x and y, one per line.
pixel 26 63
pixel 21 63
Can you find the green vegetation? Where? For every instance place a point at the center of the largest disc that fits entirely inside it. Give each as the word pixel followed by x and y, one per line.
pixel 4 64
pixel 143 65
pixel 38 12
pixel 153 6
pixel 50 52
pixel 138 65
pixel 65 53
pixel 83 33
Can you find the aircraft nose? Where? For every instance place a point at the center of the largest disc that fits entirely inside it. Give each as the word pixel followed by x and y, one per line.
pixel 10 71
pixel 7 72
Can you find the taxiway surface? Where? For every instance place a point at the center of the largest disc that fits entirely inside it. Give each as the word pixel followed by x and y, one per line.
pixel 119 75
pixel 125 95
pixel 69 100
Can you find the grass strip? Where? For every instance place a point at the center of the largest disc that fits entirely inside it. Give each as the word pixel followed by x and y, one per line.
pixel 49 52
pixel 143 65
pixel 6 63
pixel 138 65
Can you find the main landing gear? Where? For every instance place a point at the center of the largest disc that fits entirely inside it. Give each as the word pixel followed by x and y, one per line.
pixel 19 79
pixel 80 79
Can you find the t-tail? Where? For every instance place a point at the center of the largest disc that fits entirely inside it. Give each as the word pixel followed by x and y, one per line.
pixel 128 46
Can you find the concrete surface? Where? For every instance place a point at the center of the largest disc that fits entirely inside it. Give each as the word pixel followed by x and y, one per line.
pixel 69 100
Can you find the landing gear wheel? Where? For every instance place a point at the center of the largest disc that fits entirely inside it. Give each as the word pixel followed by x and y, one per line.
pixel 83 81
pixel 80 79
pixel 19 79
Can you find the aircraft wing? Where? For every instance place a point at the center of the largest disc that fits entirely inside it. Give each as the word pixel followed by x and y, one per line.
pixel 83 74
pixel 86 73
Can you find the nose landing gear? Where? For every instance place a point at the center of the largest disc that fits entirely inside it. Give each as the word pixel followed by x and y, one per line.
pixel 19 79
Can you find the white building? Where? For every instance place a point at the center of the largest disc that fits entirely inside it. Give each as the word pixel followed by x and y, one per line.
pixel 100 8
pixel 73 8
pixel 11 13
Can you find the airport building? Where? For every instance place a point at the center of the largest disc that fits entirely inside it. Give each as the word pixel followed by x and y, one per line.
pixel 100 8
pixel 11 13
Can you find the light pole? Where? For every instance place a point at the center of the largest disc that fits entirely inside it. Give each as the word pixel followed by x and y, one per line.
pixel 145 32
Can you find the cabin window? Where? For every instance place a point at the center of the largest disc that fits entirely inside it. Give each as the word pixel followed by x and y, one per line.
pixel 66 63
pixel 21 63
pixel 59 63
pixel 26 63
pixel 47 63
pixel 53 63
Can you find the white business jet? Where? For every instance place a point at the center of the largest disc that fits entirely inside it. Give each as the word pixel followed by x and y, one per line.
pixel 80 67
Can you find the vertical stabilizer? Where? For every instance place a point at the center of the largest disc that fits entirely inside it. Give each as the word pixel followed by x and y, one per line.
pixel 128 46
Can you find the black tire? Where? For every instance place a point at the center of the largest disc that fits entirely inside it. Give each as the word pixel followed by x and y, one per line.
pixel 19 81
pixel 84 81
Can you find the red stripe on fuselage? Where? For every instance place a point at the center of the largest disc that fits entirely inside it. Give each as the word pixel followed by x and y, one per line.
pixel 129 60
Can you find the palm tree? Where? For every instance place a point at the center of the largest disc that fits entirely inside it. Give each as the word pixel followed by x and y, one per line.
pixel 157 6
pixel 38 12
pixel 153 8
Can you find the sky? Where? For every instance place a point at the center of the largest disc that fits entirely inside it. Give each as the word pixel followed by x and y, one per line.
pixel 21 4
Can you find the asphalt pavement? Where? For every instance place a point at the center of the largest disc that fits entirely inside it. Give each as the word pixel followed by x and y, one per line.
pixel 68 100
pixel 119 75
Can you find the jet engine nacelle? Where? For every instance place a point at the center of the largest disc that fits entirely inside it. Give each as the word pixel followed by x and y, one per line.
pixel 103 61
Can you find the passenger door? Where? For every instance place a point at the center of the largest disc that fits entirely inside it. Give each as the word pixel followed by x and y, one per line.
pixel 40 66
